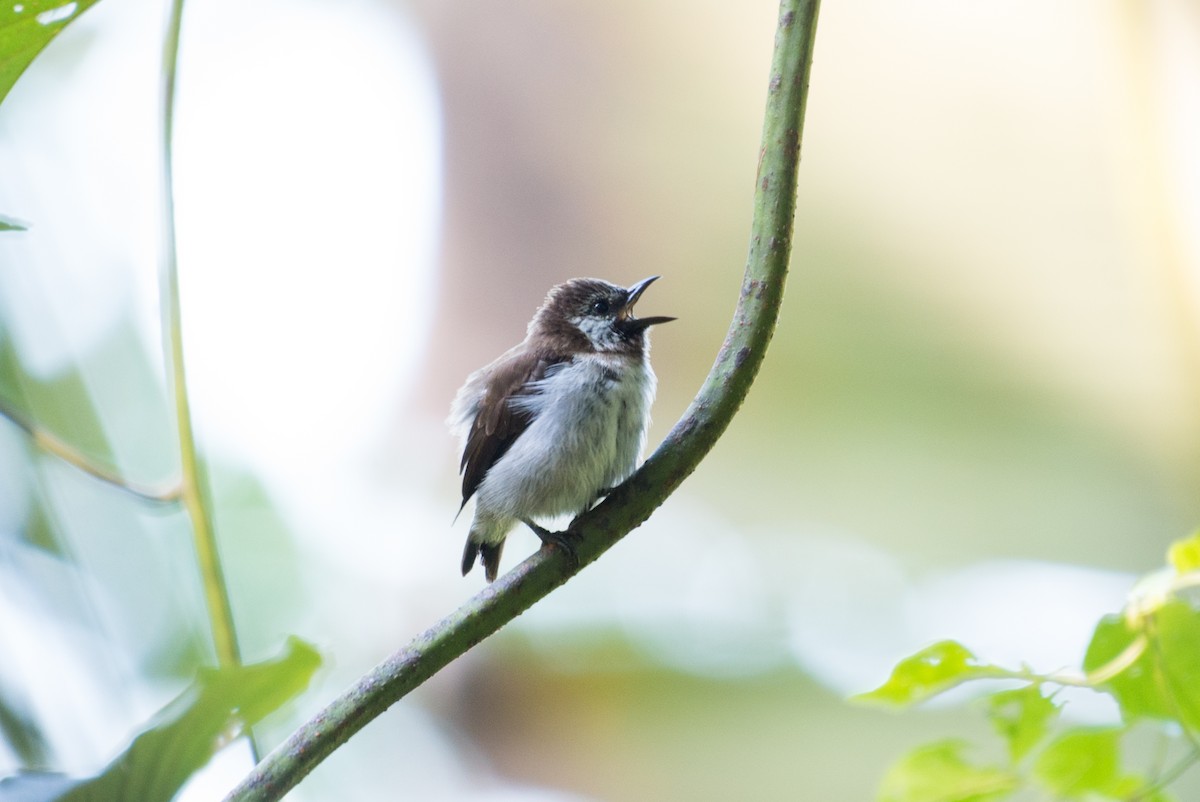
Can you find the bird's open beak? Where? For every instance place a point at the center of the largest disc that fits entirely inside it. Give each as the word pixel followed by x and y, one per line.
pixel 639 323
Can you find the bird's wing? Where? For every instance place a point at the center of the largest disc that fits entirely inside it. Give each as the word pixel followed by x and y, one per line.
pixel 498 421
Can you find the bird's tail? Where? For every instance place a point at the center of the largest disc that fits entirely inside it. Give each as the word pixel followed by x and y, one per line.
pixel 488 554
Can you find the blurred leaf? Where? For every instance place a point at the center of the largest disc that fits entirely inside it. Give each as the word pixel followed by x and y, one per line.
pixel 1135 688
pixel 191 728
pixel 1164 681
pixel 8 223
pixel 938 773
pixel 27 27
pixel 1081 761
pixel 22 735
pixel 1151 795
pixel 42 531
pixel 1022 717
pixel 927 673
pixel 1133 787
pixel 61 405
pixel 259 548
pixel 1184 554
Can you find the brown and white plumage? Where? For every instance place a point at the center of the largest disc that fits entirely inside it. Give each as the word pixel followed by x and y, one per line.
pixel 558 419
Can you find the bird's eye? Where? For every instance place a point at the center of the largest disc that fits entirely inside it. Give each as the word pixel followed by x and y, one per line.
pixel 600 307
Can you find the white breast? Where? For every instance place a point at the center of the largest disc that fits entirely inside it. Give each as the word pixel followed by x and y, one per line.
pixel 589 426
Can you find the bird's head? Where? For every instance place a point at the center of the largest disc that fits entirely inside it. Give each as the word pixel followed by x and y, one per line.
pixel 595 315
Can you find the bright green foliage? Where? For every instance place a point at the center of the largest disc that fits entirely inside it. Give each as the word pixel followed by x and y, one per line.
pixel 1147 658
pixel 939 773
pixel 1080 761
pixel 1084 763
pixel 1022 717
pixel 28 26
pixel 1184 554
pixel 190 729
pixel 927 673
pixel 1164 681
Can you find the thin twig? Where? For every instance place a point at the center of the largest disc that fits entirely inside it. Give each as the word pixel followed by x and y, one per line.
pixel 50 443
pixel 630 504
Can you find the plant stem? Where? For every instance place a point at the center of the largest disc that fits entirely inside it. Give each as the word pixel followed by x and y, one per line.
pixel 192 490
pixel 630 504
pixel 56 447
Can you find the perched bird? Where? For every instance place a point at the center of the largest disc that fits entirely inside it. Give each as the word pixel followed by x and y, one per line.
pixel 559 420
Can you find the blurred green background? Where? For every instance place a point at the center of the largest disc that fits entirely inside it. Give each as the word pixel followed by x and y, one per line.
pixel 979 418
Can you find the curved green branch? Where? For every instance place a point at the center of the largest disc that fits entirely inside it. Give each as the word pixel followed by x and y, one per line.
pixel 631 504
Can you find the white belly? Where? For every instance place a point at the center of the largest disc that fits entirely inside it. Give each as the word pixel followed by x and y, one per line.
pixel 589 426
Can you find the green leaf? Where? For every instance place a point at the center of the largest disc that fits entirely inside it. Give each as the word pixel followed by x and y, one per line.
pixel 1135 688
pixel 8 223
pixel 927 673
pixel 1135 787
pixel 1184 554
pixel 1080 761
pixel 22 734
pixel 1022 717
pixel 937 772
pixel 27 26
pixel 1164 681
pixel 190 729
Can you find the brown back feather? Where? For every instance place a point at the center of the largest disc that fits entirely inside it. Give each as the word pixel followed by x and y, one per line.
pixel 497 425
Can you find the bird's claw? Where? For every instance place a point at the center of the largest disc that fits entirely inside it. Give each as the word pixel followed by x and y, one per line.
pixel 563 540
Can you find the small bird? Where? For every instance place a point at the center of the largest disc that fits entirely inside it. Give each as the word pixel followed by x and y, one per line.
pixel 557 421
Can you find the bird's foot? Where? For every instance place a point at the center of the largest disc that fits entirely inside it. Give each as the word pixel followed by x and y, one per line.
pixel 563 540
